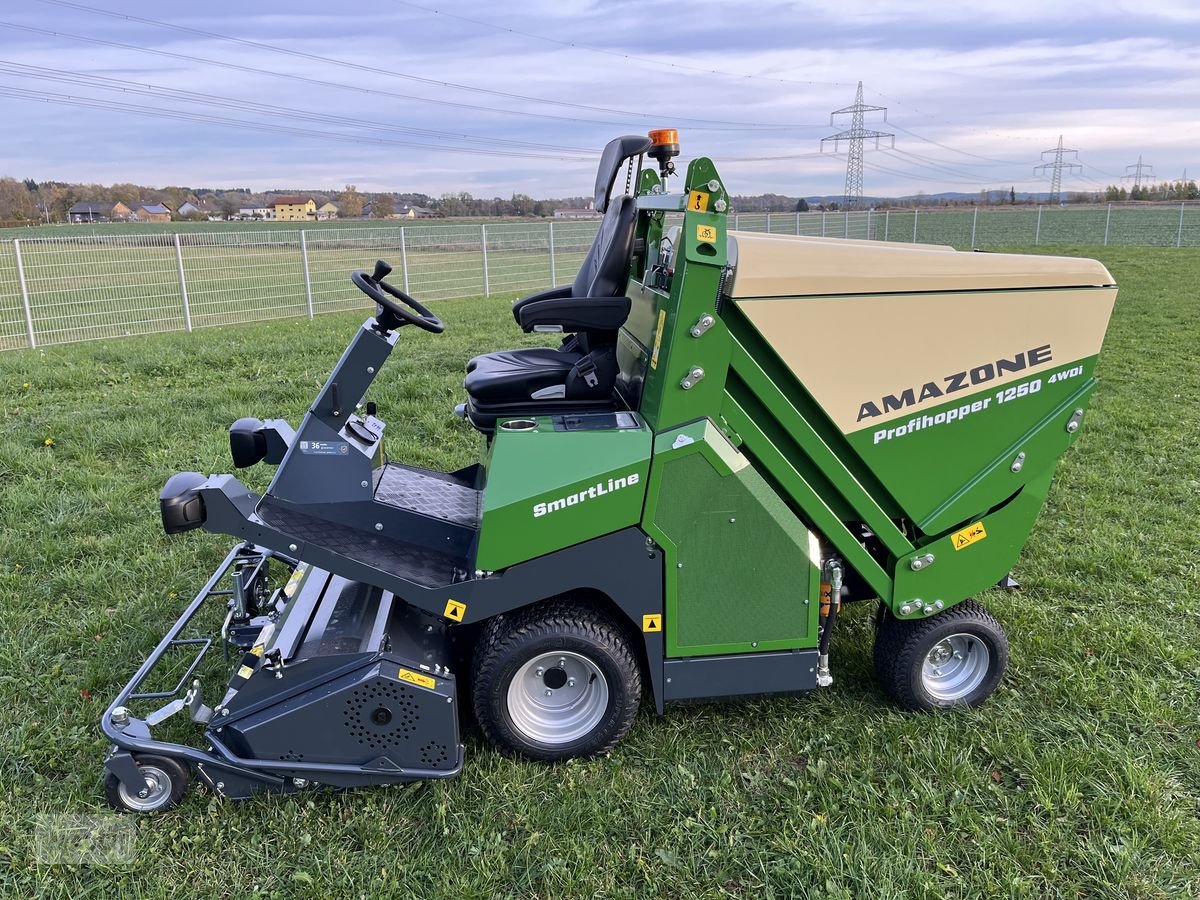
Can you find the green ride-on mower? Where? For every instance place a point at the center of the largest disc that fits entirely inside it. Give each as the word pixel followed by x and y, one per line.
pixel 738 434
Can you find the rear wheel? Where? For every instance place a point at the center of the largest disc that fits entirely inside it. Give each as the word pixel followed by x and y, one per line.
pixel 555 681
pixel 955 658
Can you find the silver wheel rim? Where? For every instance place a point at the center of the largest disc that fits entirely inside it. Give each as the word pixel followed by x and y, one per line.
pixel 158 790
pixel 955 666
pixel 557 698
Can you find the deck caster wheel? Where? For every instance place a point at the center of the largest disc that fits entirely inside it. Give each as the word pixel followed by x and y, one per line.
pixel 166 783
pixel 555 682
pixel 955 658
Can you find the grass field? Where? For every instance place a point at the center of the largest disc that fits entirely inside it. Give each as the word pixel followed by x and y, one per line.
pixel 1081 777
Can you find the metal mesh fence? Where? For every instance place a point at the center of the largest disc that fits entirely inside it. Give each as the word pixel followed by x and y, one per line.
pixel 56 290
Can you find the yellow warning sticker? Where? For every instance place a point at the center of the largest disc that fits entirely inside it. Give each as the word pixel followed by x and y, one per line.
pixel 652 622
pixel 294 582
pixel 257 649
pixel 968 536
pixel 245 672
pixel 662 320
pixel 417 678
pixel 698 201
pixel 454 610
pixel 706 233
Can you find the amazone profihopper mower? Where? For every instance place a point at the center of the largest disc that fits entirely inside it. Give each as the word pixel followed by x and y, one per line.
pixel 738 434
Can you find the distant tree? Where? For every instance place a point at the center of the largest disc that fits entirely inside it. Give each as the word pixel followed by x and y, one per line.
pixel 1012 196
pixel 16 203
pixel 228 206
pixel 801 205
pixel 350 203
pixel 384 206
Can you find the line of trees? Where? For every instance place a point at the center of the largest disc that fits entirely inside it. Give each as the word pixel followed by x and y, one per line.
pixel 1166 190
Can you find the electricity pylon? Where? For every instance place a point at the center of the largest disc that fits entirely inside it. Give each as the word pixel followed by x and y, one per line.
pixel 1055 167
pixel 855 135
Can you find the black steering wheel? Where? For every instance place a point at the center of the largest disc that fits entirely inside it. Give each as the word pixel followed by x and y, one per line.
pixel 392 314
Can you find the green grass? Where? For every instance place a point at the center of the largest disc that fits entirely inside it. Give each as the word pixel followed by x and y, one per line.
pixel 1081 777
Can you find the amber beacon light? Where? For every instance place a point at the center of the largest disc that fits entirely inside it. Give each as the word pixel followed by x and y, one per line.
pixel 664 145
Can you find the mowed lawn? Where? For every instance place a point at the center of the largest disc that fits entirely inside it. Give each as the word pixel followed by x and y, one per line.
pixel 1081 777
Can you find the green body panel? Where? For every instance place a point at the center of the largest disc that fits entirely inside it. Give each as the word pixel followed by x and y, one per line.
pixel 958 573
pixel 693 293
pixel 740 437
pixel 742 572
pixel 532 504
pixel 945 473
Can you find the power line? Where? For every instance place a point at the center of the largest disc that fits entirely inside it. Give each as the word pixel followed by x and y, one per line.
pixel 390 73
pixel 933 165
pixel 1005 162
pixel 375 92
pixel 1055 168
pixel 65 76
pixel 576 45
pixel 854 136
pixel 183 115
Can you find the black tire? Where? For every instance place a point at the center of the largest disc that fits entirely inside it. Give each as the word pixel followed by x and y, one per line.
pixel 903 645
pixel 592 642
pixel 169 782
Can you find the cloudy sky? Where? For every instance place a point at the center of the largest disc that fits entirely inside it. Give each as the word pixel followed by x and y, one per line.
pixel 493 98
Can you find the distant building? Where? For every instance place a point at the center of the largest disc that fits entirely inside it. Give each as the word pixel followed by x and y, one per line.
pixel 256 212
pixel 150 212
pixel 576 214
pixel 205 208
pixel 328 210
pixel 408 211
pixel 99 211
pixel 295 209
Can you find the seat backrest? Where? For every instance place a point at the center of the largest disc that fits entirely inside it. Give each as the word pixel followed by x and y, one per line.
pixel 605 269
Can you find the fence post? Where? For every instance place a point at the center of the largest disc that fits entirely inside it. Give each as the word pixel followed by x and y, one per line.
pixel 916 210
pixel 404 260
pixel 822 223
pixel 797 223
pixel 307 279
pixel 553 275
pixel 974 223
pixel 869 211
pixel 187 312
pixel 846 223
pixel 24 293
pixel 1179 233
pixel 487 291
pixel 736 220
pixel 1037 233
pixel 887 222
pixel 1107 222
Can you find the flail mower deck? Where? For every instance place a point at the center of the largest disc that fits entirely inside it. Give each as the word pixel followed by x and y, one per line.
pixel 738 434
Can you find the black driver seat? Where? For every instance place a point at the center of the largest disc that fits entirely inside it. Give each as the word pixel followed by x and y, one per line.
pixel 580 374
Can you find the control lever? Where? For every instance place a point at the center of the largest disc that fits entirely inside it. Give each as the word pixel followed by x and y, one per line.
pixel 382 270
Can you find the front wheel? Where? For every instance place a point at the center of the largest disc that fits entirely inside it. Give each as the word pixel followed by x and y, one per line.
pixel 955 658
pixel 555 681
pixel 166 781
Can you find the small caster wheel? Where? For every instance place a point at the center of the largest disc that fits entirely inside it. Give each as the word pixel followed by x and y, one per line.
pixel 953 659
pixel 166 783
